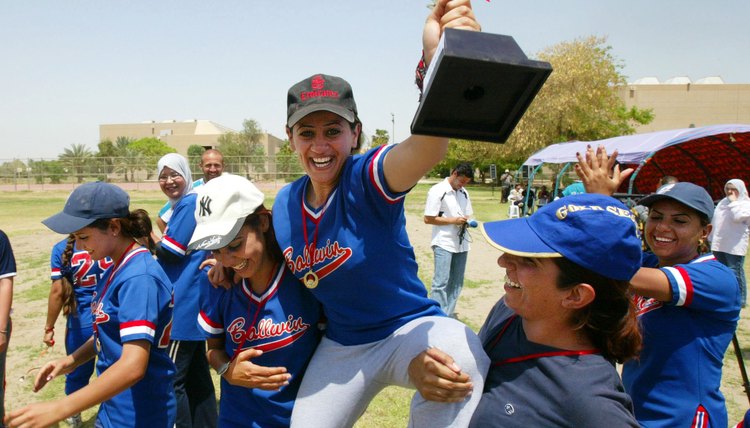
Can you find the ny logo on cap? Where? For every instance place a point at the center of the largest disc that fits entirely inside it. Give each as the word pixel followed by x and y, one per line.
pixel 205 206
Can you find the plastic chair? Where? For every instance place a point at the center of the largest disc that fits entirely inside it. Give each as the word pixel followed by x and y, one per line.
pixel 513 211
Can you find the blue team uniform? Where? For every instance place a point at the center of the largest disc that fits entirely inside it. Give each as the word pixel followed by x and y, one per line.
pixel 361 233
pixel 7 270
pixel 136 305
pixel 185 274
pixel 286 330
pixel 194 388
pixel 677 379
pixel 84 274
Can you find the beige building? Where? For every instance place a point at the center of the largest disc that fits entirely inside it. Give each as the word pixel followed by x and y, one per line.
pixel 681 103
pixel 182 134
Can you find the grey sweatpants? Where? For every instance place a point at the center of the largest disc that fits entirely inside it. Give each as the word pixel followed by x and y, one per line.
pixel 342 380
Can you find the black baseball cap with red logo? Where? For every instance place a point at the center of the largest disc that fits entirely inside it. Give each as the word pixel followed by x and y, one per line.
pixel 320 92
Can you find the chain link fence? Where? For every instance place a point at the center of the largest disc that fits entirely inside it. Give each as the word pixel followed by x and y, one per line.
pixel 23 174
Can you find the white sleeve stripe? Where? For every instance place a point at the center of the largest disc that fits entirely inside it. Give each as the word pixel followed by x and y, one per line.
pixel 376 177
pixel 681 286
pixel 207 327
pixel 173 246
pixel 138 329
pixel 7 275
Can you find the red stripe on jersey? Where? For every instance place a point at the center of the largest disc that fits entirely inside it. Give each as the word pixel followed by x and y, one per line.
pixel 209 322
pixel 177 246
pixel 688 285
pixel 139 323
pixel 700 420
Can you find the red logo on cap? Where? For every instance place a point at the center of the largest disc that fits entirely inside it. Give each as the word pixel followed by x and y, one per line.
pixel 318 83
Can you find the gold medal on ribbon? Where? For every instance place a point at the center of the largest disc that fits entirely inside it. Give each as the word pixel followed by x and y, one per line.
pixel 310 279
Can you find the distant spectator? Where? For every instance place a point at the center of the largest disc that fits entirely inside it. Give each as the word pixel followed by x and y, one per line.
pixel 529 198
pixel 542 197
pixel 730 234
pixel 448 210
pixel 516 196
pixel 506 181
pixel 574 188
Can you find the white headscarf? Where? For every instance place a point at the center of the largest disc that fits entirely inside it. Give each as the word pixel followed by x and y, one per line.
pixel 741 189
pixel 180 165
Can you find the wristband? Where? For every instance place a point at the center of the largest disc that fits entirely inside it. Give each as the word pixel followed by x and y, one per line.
pixel 49 329
pixel 223 368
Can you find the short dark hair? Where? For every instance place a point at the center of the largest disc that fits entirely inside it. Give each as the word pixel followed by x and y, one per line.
pixel 464 169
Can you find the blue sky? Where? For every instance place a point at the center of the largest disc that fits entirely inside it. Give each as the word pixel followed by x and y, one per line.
pixel 68 66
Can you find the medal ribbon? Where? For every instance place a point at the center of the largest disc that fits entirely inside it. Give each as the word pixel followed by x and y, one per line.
pixel 310 279
pixel 531 356
pixel 261 304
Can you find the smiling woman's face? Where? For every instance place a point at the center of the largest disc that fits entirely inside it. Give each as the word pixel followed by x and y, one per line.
pixel 323 141
pixel 673 232
pixel 172 183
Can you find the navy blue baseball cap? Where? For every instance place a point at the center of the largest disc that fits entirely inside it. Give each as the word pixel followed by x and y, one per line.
pixel 685 193
pixel 594 231
pixel 86 204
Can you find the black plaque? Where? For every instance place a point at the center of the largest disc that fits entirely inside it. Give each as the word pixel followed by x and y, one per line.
pixel 477 87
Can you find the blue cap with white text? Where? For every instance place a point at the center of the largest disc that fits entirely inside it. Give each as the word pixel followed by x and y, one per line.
pixel 594 231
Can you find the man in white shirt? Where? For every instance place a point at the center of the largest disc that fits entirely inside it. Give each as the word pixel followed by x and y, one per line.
pixel 448 210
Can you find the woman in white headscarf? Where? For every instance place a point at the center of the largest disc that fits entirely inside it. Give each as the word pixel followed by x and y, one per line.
pixel 730 233
pixel 194 389
pixel 175 164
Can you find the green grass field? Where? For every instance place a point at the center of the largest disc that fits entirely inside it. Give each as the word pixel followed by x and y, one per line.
pixel 20 219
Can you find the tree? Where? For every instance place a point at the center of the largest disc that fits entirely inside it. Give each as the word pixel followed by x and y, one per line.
pixel 121 146
pixel 194 153
pixel 287 162
pixel 380 138
pixel 75 157
pixel 105 157
pixel 244 148
pixel 52 169
pixel 151 150
pixel 130 160
pixel 578 101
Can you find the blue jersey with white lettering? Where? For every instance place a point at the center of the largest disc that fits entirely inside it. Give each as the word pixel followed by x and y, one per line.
pixel 283 323
pixel 134 302
pixel 83 274
pixel 184 274
pixel 676 380
pixel 358 247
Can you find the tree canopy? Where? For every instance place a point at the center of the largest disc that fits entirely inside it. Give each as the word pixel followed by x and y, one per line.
pixel 245 148
pixel 578 102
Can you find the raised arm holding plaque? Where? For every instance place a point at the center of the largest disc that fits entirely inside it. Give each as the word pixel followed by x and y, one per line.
pixel 477 87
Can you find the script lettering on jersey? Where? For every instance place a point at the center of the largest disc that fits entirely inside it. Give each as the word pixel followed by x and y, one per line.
pixel 268 329
pixel 331 255
pixel 644 305
pixel 100 317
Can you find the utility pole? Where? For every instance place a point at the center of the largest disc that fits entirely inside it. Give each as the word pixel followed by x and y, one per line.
pixel 393 128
